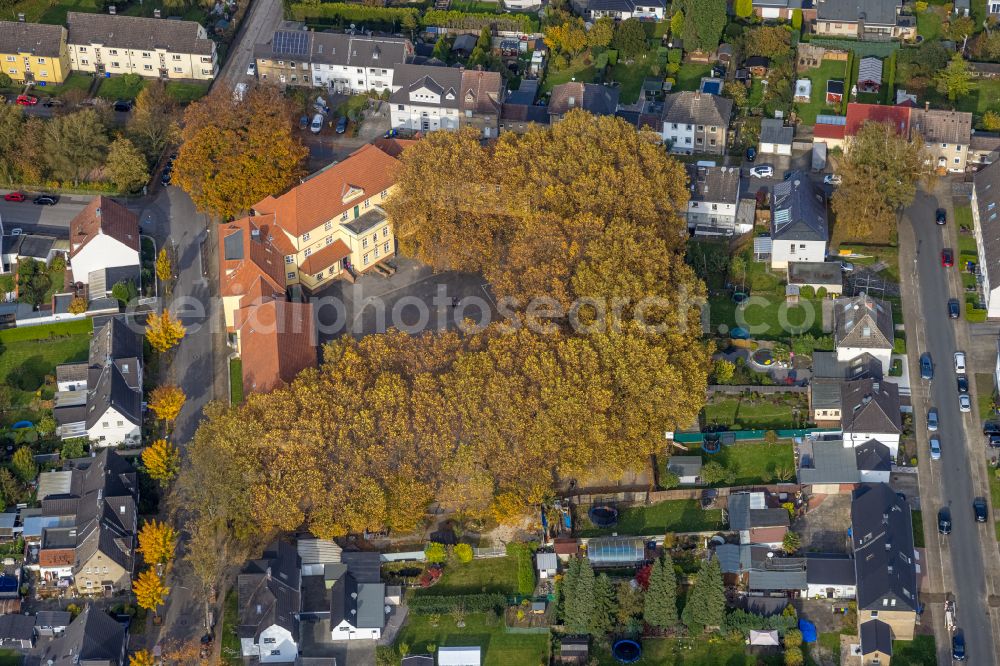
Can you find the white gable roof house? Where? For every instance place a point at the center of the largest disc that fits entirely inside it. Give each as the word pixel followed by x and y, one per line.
pixel 863 325
pixel 103 235
pixel 799 229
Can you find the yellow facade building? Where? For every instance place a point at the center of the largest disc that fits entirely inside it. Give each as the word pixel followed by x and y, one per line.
pixel 34 52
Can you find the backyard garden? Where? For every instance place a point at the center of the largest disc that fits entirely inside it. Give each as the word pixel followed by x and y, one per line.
pixel 659 518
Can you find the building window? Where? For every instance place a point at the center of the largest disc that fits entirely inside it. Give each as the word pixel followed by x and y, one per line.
pixel 275 652
pixel 944 145
pixel 43 74
pixel 344 216
pixel 308 251
pixel 104 424
pixel 385 247
pixel 376 251
pixel 269 641
pixel 399 107
pixel 328 226
pixel 83 49
pixel 148 68
pixel 41 61
pixel 84 62
pixel 177 57
pixel 367 203
pixel 115 64
pixel 385 232
pixel 364 242
pixel 290 259
pixel 145 54
pixel 121 423
pixel 329 239
pixel 319 276
pixel 112 51
pixel 305 236
pixel 178 70
pixel 714 128
pixel 290 276
pixel 375 238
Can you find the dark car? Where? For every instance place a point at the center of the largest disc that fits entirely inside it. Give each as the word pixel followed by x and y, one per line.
pixel 958 646
pixel 165 178
pixel 963 384
pixel 980 509
pixel 342 125
pixel 926 366
pixel 122 105
pixel 940 216
pixel 947 258
pixel 944 521
pixel 991 428
pixel 751 154
pixel 304 122
pixel 45 200
pixel 993 441
pixel 954 309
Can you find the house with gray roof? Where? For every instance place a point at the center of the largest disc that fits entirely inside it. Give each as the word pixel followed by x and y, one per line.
pixel 874 461
pixel 830 576
pixel 713 206
pixel 756 522
pixel 876 642
pixel 49 624
pixel 590 97
pixel 776 137
pixel 696 122
pixel 863 325
pixel 986 226
pixel 870 410
pixel 94 638
pixel 827 466
pixel 885 561
pixel 687 468
pixel 799 227
pixel 426 98
pixel 871 20
pixel 827 366
pixel 824 401
pixel 772 575
pixel 622 10
pixel 268 593
pixel 784 9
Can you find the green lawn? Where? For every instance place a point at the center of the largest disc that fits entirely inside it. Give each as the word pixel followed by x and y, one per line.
pixel 46 331
pixel 577 70
pixel 75 81
pixel 766 414
pixel 483 629
pixel 231 650
pixel 236 381
pixel 984 96
pixel 916 518
pixel 985 388
pixel 829 69
pixel 831 641
pixel 690 74
pixel 710 651
pixel 755 462
pixel 631 76
pixel 118 87
pixel 929 24
pixel 475 6
pixel 185 92
pixel 669 516
pixel 11 658
pixel 921 651
pixel 493 574
pixel 51 11
pixel 24 364
pixel 761 315
pixel 889 254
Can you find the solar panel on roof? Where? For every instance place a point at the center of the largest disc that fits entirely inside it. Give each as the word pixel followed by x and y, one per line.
pixel 831 120
pixel 291 43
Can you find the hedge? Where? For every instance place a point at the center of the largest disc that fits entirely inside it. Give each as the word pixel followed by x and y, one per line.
pixel 471 603
pixel 354 13
pixel 742 621
pixel 464 20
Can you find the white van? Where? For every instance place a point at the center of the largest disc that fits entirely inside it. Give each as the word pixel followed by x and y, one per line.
pixel 317 123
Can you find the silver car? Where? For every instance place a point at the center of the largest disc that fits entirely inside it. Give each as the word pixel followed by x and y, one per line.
pixel 932 419
pixel 964 404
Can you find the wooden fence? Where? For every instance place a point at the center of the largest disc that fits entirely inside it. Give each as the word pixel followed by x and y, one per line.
pixel 635 497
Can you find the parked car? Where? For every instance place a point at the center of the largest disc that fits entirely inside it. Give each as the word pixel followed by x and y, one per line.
pixel 993 441
pixel 954 309
pixel 960 363
pixel 317 123
pixel 980 509
pixel 122 105
pixel 832 179
pixel 304 122
pixel 26 100
pixel 958 646
pixel 14 196
pixel 846 266
pixel 751 154
pixel 940 216
pixel 52 101
pixel 762 171
pixel 342 125
pixel 963 384
pixel 935 448
pixel 947 258
pixel 165 178
pixel 45 200
pixel 932 419
pixel 944 521
pixel 926 366
pixel 252 69
pixel 991 428
pixel 964 403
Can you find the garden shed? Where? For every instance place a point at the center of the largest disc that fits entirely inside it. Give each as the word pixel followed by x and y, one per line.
pixel 870 75
pixel 764 638
pixel 548 564
pixel 803 90
pixel 616 551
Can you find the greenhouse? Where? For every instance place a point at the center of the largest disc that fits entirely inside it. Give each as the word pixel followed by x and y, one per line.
pixel 613 551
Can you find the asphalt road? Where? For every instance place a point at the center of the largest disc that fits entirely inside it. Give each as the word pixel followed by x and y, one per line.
pixel 258 25
pixel 961 439
pixel 41 219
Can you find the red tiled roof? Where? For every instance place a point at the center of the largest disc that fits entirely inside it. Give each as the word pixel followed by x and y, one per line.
pixel 393 147
pixel 321 196
pixel 104 216
pixel 277 342
pixel 321 259
pixel 56 557
pixel 258 258
pixel 824 131
pixel 859 114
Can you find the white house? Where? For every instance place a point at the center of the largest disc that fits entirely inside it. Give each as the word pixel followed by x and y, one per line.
pixel 427 98
pixel 870 411
pixel 547 564
pixel 103 235
pixel 621 10
pixel 830 577
pixel 863 325
pixel 696 122
pixel 799 230
pixel 874 461
pixel 775 137
pixel 985 210
pixel 268 595
pixel 993 8
pixel 714 200
pixel 460 656
pixel 353 64
pixel 358 599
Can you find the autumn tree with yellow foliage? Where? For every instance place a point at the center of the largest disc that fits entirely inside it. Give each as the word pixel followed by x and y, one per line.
pixel 167 401
pixel 162 461
pixel 150 591
pixel 487 423
pixel 157 542
pixel 164 331
pixel 164 267
pixel 142 658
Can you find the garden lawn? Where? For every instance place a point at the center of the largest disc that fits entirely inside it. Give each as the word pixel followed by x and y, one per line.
pixel 75 81
pixel 576 70
pixel 631 76
pixel 231 649
pixel 761 317
pixel 767 414
pixel 118 87
pixel 917 520
pixel 690 74
pixel 25 364
pixel 921 651
pixel 709 651
pixel 51 11
pixel 185 92
pixel 669 516
pixel 11 658
pixel 493 574
pixel 475 6
pixel 830 69
pixel 755 462
pixel 236 381
pixel 483 629
pixel 983 96
pixel 985 388
pixel 929 24
pixel 875 253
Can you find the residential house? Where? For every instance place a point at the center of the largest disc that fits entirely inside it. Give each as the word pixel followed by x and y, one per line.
pixel 275 336
pixel 621 10
pixel 784 9
pixel 824 402
pixel 714 201
pixel 799 228
pixel 358 599
pixel 34 52
pixel 758 66
pixel 947 136
pixel 94 638
pixel 103 235
pixel 755 522
pixel 427 98
pixel 986 227
pixel 884 560
pixel 771 575
pixel 863 325
pixel 695 122
pixel 874 20
pixel 519 110
pixel 155 48
pixel 459 656
pixel 331 225
pixel 49 624
pixel 870 410
pixel 993 8
pixel 590 97
pixel 876 643
pixel 874 460
pixel 687 468
pixel 829 576
pixel 464 45
pixel 859 114
pixel 89 518
pixel 961 8
pixel 268 592
pixel 776 137
pixel 17 631
pixel 547 564
pixel 39 247
pixel 826 466
pixel 829 131
pixel 106 407
pixel 983 149
pixel 825 275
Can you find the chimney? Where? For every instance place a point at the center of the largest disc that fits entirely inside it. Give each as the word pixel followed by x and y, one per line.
pixel 927 105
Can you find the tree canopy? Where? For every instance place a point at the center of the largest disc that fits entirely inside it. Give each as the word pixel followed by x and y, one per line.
pixel 704 21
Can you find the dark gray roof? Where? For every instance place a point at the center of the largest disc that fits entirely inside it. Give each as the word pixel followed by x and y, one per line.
pixel 865 366
pixel 987 186
pixel 873 456
pixel 769 518
pixel 16 627
pixel 114 340
pixel 443 81
pixel 35 38
pixel 525 93
pixel 359 50
pixel 882 535
pixel 742 517
pixel 233 246
pixel 464 43
pixel 92 637
pixel 52 619
pixel 71 372
pixel 835 86
pixel 776 573
pixel 108 387
pixel 696 108
pixel 864 322
pixel 366 567
pixel 268 591
pixel 714 184
pixel 422 660
pixel 815 272
pixel 591 97
pixel 872 12
pixel 774 130
pixel 36 247
pixel 685 465
pixel 824 394
pixel 798 210
pixel 733 558
pixel 135 32
pixel 829 569
pixel 876 636
pixel 869 405
pixel 827 461
pixel 370 219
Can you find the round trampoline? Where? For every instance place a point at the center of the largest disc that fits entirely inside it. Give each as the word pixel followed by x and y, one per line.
pixel 626 651
pixel 603 515
pixel 711 446
pixel 763 357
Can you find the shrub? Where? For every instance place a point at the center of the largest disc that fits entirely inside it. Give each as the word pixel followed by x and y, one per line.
pixel 436 552
pixel 674 56
pixel 821 292
pixel 807 291
pixel 463 552
pixel 351 13
pixel 899 344
pixel 471 603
